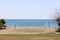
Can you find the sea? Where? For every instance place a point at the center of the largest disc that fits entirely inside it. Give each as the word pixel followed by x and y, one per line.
pixel 31 23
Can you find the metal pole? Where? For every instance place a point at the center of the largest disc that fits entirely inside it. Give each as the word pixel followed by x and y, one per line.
pixel 49 26
pixel 15 25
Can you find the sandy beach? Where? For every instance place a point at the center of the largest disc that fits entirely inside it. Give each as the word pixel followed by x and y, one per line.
pixel 17 34
pixel 26 30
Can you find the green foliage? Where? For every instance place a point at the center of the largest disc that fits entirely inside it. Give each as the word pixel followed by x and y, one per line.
pixel 2 21
pixel 2 24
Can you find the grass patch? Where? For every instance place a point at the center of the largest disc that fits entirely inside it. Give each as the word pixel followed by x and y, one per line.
pixel 31 35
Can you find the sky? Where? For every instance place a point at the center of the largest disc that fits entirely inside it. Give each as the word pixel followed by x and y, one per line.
pixel 28 9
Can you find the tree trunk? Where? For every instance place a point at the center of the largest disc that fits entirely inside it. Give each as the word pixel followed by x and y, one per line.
pixel 59 26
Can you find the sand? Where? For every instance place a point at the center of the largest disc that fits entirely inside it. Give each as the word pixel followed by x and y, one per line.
pixel 26 30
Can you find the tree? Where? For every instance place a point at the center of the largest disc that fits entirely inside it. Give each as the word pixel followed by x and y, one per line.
pixel 2 24
pixel 57 18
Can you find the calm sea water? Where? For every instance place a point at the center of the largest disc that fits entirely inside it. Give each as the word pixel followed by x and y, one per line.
pixel 30 23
